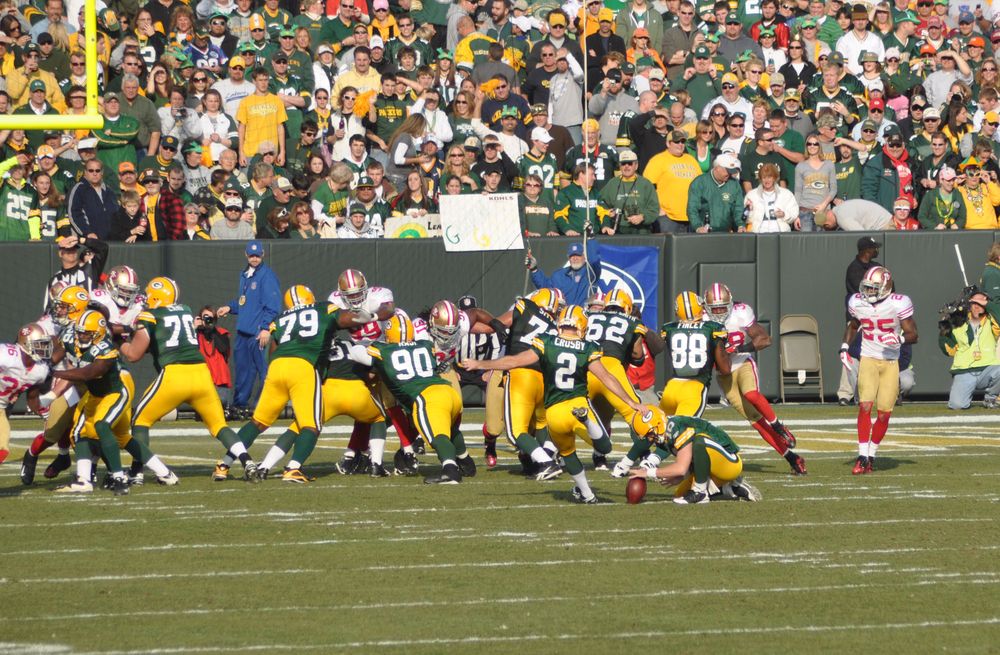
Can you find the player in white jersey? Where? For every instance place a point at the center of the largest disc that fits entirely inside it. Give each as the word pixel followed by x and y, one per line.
pixel 24 366
pixel 745 337
pixel 886 323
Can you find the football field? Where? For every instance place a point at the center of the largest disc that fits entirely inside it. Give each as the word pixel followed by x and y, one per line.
pixel 901 560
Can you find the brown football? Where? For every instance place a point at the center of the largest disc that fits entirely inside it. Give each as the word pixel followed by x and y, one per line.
pixel 635 491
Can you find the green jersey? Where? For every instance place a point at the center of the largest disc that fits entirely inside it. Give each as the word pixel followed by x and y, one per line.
pixel 691 348
pixel 615 332
pixel 389 114
pixel 110 382
pixel 527 322
pixel 292 85
pixel 407 368
pixel 564 365
pixel 546 167
pixel 20 221
pixel 172 338
pixel 339 366
pixel 304 332
pixel 682 430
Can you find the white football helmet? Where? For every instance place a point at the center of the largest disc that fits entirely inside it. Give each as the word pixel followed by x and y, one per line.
pixel 443 322
pixel 34 342
pixel 876 285
pixel 719 302
pixel 123 285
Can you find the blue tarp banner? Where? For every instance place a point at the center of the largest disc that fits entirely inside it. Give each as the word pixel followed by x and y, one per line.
pixel 637 270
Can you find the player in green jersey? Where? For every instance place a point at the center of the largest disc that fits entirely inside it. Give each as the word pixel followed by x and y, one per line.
pixel 707 460
pixel 406 366
pixel 565 360
pixel 166 331
pixel 299 338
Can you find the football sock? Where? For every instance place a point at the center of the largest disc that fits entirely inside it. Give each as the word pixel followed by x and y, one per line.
pixel 878 432
pixel 378 448
pixel 109 447
pixel 358 442
pixel 444 448
pixel 639 448
pixel 655 457
pixel 760 403
pixel 304 445
pixel 542 456
pixel 233 444
pixel 249 433
pixel 64 445
pixel 157 466
pixel 549 449
pixel 603 445
pixel 458 440
pixel 627 461
pixel 38 445
pixel 573 465
pixel 84 465
pixel 767 434
pixel 580 479
pixel 700 462
pixel 141 434
pixel 864 427
pixel 594 428
pixel 527 444
pixel 404 427
pixel 278 450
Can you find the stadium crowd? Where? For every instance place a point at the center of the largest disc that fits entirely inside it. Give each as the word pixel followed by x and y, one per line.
pixel 322 119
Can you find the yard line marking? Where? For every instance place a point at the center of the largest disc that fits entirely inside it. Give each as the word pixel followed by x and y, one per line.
pixel 153 576
pixel 493 638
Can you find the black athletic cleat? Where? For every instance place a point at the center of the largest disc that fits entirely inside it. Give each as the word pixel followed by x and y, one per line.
pixel 467 466
pixel 450 474
pixel 378 471
pixel 692 498
pixel 28 465
pixel 580 414
pixel 860 466
pixel 250 471
pixel 600 462
pixel 796 462
pixel 119 486
pixel 578 497
pixel 404 463
pixel 362 464
pixel 529 466
pixel 345 466
pixel 58 465
pixel 419 447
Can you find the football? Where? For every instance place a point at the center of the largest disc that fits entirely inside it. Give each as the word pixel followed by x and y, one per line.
pixel 635 491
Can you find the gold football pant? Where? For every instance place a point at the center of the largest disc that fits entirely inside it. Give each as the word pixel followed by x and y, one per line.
pixel 878 382
pixel 736 384
pixel 114 408
pixel 597 391
pixel 294 379
pixel 524 407
pixel 564 428
pixel 177 384
pixel 684 397
pixel 495 404
pixel 726 467
pixel 436 410
pixel 348 398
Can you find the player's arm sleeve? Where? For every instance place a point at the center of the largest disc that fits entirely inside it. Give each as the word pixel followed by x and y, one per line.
pixel 362 354
pixel 538 346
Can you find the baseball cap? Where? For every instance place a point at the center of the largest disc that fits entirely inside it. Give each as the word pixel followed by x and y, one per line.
pixel 891 131
pixel 236 203
pixel 376 42
pixel 836 58
pixel 31 47
pixel 627 156
pixel 933 21
pixel 520 5
pixel 323 49
pixel 628 68
pixel 868 55
pixel 808 22
pixel 605 15
pixel 729 162
pixel 908 17
pixel 989 117
pixel 45 39
pixel 615 75
pixel 827 120
pixel 279 56
pixel 732 19
pixel 473 143
pixel 701 52
pixel 539 108
pixel 149 174
pixel 590 124
pixel 255 248
pixel 678 136
pixel 380 4
pixel 237 60
pixel 656 74
pixel 87 144
pixel 792 94
pixel 257 22
pixel 574 249
pixel 123 167
pixel 864 243
pixel 777 79
pixel 169 142
pixel 977 42
pixel 641 32
pixel 357 208
pixel 876 103
pixel 859 11
pixel 36 85
pixel 966 17
pixel 902 202
pixel 556 18
pixel 111 95
pixel 541 134
pixel 730 78
pixel 281 182
pixel 947 173
pixel 365 181
pixel 869 125
pixel 892 53
pixel 246 46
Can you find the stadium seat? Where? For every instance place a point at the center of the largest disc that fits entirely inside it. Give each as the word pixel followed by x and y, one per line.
pixel 801 362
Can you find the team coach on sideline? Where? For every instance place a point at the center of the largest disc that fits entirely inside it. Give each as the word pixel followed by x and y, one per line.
pixel 258 304
pixel 573 280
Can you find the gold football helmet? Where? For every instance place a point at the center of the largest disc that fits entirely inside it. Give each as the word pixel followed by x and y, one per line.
pixel 91 328
pixel 353 287
pixel 34 342
pixel 651 423
pixel 688 307
pixel 399 328
pixel 161 292
pixel 621 300
pixel 444 320
pixel 719 302
pixel 299 295
pixel 123 285
pixel 876 285
pixel 596 302
pixel 69 305
pixel 574 319
pixel 549 301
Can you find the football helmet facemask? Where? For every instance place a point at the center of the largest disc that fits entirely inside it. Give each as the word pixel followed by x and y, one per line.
pixel 688 307
pixel 574 319
pixel 444 321
pixel 621 300
pixel 299 295
pixel 399 328
pixel 91 328
pixel 161 292
pixel 123 285
pixel 353 288
pixel 876 285
pixel 34 342
pixel 69 305
pixel 651 423
pixel 719 302
pixel 596 302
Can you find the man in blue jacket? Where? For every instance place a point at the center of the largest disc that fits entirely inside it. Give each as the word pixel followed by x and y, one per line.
pixel 572 280
pixel 258 304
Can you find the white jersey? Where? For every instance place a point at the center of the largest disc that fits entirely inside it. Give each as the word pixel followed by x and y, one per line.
pixel 449 351
pixel 881 324
pixel 369 332
pixel 118 315
pixel 738 325
pixel 15 379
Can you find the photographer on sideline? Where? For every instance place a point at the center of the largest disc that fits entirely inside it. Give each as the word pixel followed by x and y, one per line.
pixel 213 342
pixel 969 329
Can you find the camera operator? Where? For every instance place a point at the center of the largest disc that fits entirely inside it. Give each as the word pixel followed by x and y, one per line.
pixel 213 341
pixel 969 328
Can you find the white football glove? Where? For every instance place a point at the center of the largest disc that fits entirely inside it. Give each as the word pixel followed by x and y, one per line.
pixel 845 358
pixel 363 316
pixel 891 340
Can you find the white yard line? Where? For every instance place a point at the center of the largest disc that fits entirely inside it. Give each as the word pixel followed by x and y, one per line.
pixel 122 577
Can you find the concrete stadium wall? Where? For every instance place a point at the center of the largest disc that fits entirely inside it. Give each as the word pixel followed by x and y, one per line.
pixel 777 274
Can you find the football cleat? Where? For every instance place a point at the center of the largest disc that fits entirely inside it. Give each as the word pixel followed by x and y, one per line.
pixel 419 447
pixel 137 480
pixel 58 465
pixel 549 472
pixel 490 454
pixel 251 472
pixel 796 462
pixel 620 470
pixel 578 497
pixel 378 471
pixel 600 462
pixel 450 474
pixel 28 465
pixel 362 464
pixel 261 474
pixel 345 466
pixel 404 463
pixel 295 476
pixel 580 413
pixel 168 480
pixel 529 467
pixel 108 483
pixel 77 486
pixel 860 465
pixel 221 472
pixel 784 433
pixel 119 485
pixel 743 490
pixel 870 466
pixel 692 497
pixel 467 466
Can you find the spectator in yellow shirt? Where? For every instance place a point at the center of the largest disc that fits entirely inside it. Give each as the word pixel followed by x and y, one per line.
pixel 981 194
pixel 261 117
pixel 672 172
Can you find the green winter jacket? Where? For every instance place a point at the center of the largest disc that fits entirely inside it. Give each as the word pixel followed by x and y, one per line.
pixel 720 206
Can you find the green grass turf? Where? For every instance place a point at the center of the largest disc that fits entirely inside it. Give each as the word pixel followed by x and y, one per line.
pixel 903 560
